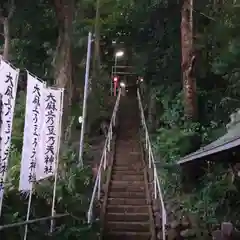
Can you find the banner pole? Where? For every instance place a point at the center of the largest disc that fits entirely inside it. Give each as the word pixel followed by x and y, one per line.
pixel 28 212
pixel 57 164
pixel 84 112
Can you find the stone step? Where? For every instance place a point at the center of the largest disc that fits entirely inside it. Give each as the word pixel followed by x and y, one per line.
pixel 127 186
pixel 128 226
pixel 128 161
pixel 127 217
pixel 132 168
pixel 123 177
pixel 128 172
pixel 134 195
pixel 129 168
pixel 127 183
pixel 118 235
pixel 132 142
pixel 127 201
pixel 127 209
pixel 124 188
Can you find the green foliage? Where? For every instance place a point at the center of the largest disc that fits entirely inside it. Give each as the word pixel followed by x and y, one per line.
pixel 18 122
pixel 215 200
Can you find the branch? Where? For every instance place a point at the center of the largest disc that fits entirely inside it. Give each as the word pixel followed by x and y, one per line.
pixel 11 9
pixel 201 13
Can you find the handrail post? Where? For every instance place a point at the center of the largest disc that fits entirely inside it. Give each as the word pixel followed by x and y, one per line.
pixel 99 186
pixel 146 139
pixel 89 216
pixel 108 144
pixel 111 132
pixel 114 120
pixel 149 155
pixel 105 159
pixel 155 182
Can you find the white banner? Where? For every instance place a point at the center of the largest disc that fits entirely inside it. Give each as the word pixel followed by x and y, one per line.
pixel 50 134
pixel 8 91
pixel 34 115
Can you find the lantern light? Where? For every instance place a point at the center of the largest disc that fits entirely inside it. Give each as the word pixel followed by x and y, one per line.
pixel 122 84
pixel 80 119
pixel 119 54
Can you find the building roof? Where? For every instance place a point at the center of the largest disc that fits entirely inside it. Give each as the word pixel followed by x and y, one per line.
pixel 230 140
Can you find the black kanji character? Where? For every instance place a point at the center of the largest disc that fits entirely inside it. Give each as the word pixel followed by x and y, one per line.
pixel 33 153
pixel 36 100
pixel 50 113
pixel 51 140
pixel 9 79
pixel 1 184
pixel 3 168
pixel 8 131
pixel 36 90
pixel 51 106
pixel 35 142
pixel 50 121
pixel 46 169
pixel 50 170
pixel 6 152
pixel 49 149
pixel 32 165
pixel 51 130
pixel 7 140
pixel 35 117
pixel 9 107
pixel 31 177
pixel 50 97
pixel 49 159
pixel 9 92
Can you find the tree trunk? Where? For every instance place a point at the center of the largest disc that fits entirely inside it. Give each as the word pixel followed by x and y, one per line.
pixel 188 61
pixel 5 20
pixel 63 57
pixel 96 53
pixel 6 48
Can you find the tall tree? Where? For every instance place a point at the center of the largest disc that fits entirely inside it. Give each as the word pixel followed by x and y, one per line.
pixel 96 53
pixel 188 60
pixel 6 12
pixel 63 56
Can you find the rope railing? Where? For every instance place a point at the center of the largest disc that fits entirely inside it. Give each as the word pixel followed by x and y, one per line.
pixel 151 164
pixel 103 162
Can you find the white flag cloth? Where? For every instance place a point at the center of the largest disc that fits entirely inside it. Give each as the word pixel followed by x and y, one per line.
pixel 8 91
pixel 50 134
pixel 34 115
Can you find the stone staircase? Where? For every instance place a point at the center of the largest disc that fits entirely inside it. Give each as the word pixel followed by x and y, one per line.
pixel 128 211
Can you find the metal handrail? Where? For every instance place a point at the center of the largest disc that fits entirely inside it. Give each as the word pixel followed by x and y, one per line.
pixel 103 162
pixel 151 164
pixel 17 224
